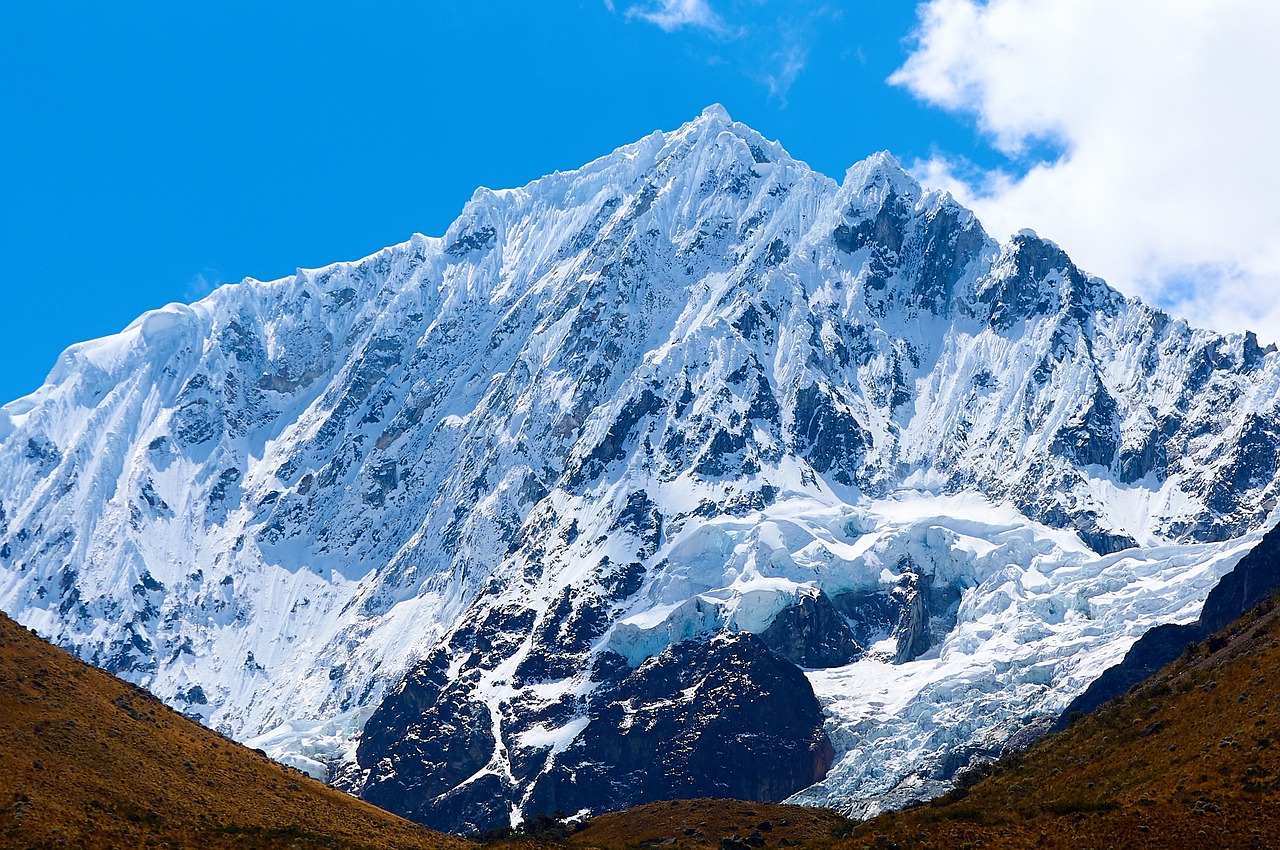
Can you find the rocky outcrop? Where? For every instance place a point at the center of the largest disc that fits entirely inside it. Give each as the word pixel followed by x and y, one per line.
pixel 915 612
pixel 719 718
pixel 812 633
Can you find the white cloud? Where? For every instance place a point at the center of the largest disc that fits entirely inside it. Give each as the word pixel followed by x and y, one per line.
pixel 672 15
pixel 1166 114
pixel 789 40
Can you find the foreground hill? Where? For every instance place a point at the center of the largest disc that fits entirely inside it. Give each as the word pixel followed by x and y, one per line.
pixel 87 760
pixel 712 823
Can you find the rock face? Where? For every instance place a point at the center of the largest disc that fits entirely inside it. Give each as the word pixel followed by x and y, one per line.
pixel 718 718
pixel 418 518
pixel 812 633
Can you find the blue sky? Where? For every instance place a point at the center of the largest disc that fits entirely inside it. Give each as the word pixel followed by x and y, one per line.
pixel 151 150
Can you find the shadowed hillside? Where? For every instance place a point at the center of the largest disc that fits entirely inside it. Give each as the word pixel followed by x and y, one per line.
pixel 708 823
pixel 87 760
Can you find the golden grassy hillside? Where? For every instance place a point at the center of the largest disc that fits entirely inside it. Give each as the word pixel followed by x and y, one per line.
pixel 87 760
pixel 706 823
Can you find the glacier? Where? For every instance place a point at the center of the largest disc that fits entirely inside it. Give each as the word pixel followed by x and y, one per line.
pixel 692 390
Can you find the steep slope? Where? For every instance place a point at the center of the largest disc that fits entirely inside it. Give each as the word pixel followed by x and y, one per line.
pixel 540 471
pixel 1252 580
pixel 87 760
pixel 1188 758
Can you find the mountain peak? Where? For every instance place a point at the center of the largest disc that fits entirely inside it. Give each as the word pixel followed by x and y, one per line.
pixel 714 121
pixel 691 388
pixel 880 175
pixel 715 113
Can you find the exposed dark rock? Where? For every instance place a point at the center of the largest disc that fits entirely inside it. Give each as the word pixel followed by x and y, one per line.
pixel 914 637
pixel 1099 539
pixel 811 633
pixel 724 718
pixel 563 636
pixel 640 516
pixel 911 612
pixel 752 324
pixel 776 252
pixel 421 742
pixel 43 452
pixel 149 495
pixel 948 244
pixel 1094 438
pixel 764 404
pixel 1026 292
pixel 241 341
pixel 135 655
pixel 620 581
pixel 1136 463
pixel 496 636
pixel 1254 461
pixel 872 614
pixel 724 456
pixel 1253 354
pixel 827 436
pixel 882 230
pixel 197 421
pixel 1032 731
pixel 614 445
pixel 478 239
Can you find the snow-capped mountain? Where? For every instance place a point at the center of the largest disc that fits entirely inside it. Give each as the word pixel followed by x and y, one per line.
pixel 691 469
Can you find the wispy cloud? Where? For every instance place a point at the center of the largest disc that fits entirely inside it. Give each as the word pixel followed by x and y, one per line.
pixel 770 41
pixel 671 15
pixel 201 284
pixel 788 65
pixel 793 36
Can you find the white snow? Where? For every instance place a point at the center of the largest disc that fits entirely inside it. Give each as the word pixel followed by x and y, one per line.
pixel 288 494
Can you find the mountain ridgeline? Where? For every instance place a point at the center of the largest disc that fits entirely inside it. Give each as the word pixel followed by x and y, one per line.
pixel 691 469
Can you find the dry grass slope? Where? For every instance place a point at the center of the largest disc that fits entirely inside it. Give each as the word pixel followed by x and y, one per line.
pixel 706 823
pixel 89 761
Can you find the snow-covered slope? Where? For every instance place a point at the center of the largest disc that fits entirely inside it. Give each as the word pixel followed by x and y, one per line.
pixel 691 389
